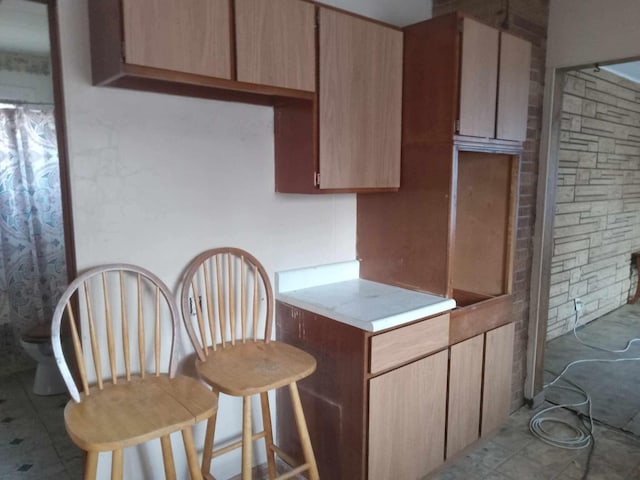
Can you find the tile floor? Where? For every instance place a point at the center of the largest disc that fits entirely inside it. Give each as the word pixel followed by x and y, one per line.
pixel 33 441
pixel 34 444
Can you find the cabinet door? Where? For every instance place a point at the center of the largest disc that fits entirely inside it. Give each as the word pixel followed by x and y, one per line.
pixel 513 87
pixel 275 43
pixel 407 409
pixel 465 383
pixel 189 36
pixel 360 88
pixel 496 391
pixel 478 79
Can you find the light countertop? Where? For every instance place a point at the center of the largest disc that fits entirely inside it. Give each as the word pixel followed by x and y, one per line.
pixel 336 291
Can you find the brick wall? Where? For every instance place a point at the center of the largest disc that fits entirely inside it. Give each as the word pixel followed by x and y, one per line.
pixel 597 221
pixel 528 19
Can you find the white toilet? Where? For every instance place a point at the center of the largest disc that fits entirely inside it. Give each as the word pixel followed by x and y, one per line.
pixel 37 343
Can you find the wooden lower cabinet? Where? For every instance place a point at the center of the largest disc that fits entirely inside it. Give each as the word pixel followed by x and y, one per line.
pixel 465 390
pixel 496 390
pixel 407 419
pixel 397 420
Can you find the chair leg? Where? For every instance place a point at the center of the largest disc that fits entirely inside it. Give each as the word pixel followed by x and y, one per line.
pixel 116 465
pixel 268 430
pixel 90 465
pixel 167 457
pixel 247 433
pixel 192 455
pixel 305 441
pixel 207 452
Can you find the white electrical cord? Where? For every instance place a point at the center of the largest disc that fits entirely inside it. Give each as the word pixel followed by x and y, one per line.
pixel 582 437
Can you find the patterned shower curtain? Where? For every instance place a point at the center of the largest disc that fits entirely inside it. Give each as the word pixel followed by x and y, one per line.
pixel 32 255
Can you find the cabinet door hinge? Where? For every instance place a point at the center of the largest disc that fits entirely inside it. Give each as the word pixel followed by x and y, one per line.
pixel 317 24
pixel 122 52
pixel 457 126
pixel 461 25
pixel 316 179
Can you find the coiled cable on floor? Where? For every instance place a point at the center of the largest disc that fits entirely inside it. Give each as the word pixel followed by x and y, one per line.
pixel 582 435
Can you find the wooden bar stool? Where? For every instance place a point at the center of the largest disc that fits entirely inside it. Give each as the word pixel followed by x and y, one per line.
pixel 136 396
pixel 227 297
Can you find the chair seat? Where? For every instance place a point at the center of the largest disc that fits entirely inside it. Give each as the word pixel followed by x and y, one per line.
pixel 254 367
pixel 130 413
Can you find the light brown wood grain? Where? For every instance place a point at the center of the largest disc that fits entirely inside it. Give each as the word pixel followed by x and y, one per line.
pixel 496 390
pixel 127 414
pixel 407 410
pixel 406 343
pixel 303 432
pixel 513 88
pixel 483 218
pixel 465 385
pixel 190 36
pixel 360 90
pixel 275 43
pixel 255 367
pixel 478 79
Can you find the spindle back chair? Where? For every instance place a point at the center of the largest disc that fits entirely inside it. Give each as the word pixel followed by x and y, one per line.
pixel 227 307
pixel 129 389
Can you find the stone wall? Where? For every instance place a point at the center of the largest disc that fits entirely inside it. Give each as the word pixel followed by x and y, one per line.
pixel 527 19
pixel 597 222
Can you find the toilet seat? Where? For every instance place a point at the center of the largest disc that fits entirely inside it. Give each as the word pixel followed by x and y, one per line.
pixel 38 334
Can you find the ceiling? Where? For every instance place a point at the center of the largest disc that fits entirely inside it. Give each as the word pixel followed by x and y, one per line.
pixel 629 70
pixel 24 27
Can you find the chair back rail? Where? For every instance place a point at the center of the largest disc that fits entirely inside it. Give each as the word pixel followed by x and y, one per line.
pixel 226 297
pixel 96 299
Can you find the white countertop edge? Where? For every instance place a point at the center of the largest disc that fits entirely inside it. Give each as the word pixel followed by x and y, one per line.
pixel 300 278
pixel 375 325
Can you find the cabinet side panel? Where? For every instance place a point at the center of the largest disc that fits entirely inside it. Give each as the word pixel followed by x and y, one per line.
pixel 430 80
pixel 478 79
pixel 407 419
pixel 465 385
pixel 191 36
pixel 333 397
pixel 496 390
pixel 275 43
pixel 106 39
pixel 513 87
pixel 294 147
pixel 360 102
pixel 403 238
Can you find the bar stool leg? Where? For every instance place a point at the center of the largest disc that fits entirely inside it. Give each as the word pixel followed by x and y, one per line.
pixel 207 453
pixel 305 441
pixel 116 465
pixel 167 457
pixel 268 430
pixel 192 456
pixel 90 465
pixel 246 438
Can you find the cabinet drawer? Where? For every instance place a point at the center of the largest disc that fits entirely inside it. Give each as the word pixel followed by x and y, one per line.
pixel 406 343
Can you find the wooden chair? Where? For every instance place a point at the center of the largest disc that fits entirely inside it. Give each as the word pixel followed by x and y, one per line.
pixel 136 395
pixel 227 297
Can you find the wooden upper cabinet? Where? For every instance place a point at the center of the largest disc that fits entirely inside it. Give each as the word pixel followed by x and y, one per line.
pixel 189 36
pixel 465 78
pixel 360 95
pixel 513 87
pixel 478 79
pixel 275 43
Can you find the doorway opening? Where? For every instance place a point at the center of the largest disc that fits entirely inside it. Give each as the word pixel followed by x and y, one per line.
pixel 36 243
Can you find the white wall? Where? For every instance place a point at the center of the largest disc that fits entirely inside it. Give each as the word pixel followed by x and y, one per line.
pixel 156 179
pixel 588 31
